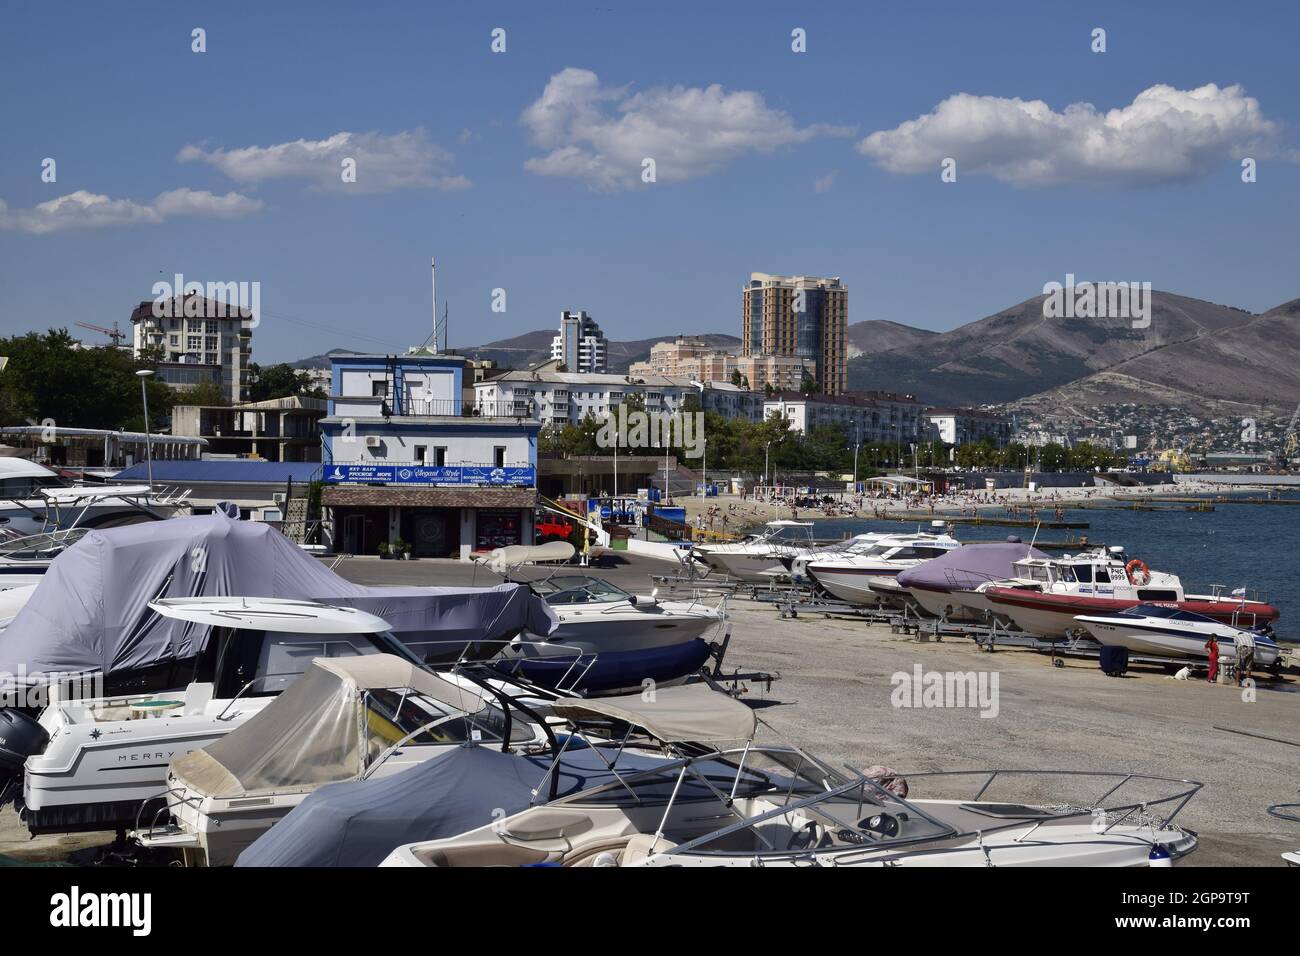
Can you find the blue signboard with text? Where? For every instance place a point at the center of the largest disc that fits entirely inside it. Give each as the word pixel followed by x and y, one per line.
pixel 518 476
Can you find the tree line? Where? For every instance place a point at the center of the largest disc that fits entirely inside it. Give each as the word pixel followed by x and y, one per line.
pixel 746 447
pixel 52 377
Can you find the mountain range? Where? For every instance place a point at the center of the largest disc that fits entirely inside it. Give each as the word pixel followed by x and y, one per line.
pixel 1200 356
pixel 1208 359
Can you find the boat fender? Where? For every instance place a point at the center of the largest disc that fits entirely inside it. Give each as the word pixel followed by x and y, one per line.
pixel 1159 856
pixel 644 600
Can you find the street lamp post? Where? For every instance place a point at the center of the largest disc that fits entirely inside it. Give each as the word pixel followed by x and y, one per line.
pixel 766 449
pixel 144 374
pixel 704 445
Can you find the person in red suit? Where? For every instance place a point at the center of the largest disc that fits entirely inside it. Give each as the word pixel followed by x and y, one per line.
pixel 1213 647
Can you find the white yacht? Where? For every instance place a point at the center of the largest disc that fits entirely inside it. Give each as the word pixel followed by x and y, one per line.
pixel 781 542
pixel 345 718
pixel 853 545
pixel 37 500
pixel 850 576
pixel 107 755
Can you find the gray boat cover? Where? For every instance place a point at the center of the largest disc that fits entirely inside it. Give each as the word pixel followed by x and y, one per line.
pixel 968 567
pixel 360 822
pixel 90 613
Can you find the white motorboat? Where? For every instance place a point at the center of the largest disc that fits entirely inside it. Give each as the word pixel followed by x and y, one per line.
pixel 748 560
pixel 755 805
pixel 345 718
pixel 37 500
pixel 1161 630
pixel 850 576
pixel 107 755
pixel 1046 595
pixel 608 639
pixel 853 545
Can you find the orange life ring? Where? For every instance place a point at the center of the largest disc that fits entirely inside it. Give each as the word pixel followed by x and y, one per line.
pixel 1137 564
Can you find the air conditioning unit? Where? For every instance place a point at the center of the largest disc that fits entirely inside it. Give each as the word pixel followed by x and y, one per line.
pixel 278 498
pixel 373 441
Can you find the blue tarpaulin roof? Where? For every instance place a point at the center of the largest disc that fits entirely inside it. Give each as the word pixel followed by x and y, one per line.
pixel 227 471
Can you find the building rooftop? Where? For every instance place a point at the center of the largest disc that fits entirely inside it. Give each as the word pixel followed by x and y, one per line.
pixel 235 471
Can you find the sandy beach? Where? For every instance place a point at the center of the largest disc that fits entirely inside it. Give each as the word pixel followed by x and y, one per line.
pixel 737 514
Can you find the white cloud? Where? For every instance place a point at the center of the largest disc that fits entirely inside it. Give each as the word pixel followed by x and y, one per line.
pixel 405 160
pixel 601 134
pixel 824 184
pixel 86 210
pixel 1164 135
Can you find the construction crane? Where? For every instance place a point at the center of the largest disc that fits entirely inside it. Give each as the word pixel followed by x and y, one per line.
pixel 115 333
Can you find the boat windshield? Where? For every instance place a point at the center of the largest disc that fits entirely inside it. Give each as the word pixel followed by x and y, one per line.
pixel 577 589
pixel 749 774
pixel 1167 613
pixel 393 714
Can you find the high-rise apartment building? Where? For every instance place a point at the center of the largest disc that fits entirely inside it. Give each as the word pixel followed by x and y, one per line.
pixel 196 340
pixel 803 316
pixel 580 344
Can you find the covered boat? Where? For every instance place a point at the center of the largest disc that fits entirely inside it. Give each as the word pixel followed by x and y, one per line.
pixel 345 718
pixel 941 586
pixel 90 614
pixel 360 822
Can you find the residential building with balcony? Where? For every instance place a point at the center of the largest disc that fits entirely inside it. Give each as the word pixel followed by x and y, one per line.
pixel 580 346
pixel 405 457
pixel 800 316
pixel 199 340
pixel 958 426
pixel 865 416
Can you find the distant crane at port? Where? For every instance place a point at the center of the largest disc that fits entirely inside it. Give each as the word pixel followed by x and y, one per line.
pixel 115 333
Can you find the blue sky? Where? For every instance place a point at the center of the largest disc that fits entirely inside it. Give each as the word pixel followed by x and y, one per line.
pixel 113 93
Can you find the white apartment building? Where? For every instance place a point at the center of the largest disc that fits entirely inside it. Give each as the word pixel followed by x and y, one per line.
pixel 865 416
pixel 957 426
pixel 200 340
pixel 562 398
pixel 581 345
pixel 568 397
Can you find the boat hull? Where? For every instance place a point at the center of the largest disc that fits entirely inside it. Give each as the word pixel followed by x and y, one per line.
pixel 1053 615
pixel 1155 641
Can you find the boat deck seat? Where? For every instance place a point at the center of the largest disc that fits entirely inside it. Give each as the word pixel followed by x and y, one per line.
pixel 484 854
pixel 197 698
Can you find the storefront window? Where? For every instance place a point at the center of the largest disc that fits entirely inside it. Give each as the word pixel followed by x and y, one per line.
pixel 497 528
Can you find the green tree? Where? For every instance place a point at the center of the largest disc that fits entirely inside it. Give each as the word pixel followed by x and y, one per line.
pixel 277 381
pixel 51 378
pixel 204 393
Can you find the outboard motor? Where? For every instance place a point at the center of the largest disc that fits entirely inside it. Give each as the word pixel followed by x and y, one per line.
pixel 20 737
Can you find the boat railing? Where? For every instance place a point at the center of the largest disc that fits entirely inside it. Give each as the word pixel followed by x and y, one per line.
pixel 962 580
pixel 1106 816
pixel 1224 592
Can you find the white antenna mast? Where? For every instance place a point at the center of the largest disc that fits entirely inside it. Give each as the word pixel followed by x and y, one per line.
pixel 433 272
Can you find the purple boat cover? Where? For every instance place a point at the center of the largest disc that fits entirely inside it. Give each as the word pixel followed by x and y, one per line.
pixel 968 566
pixel 90 613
